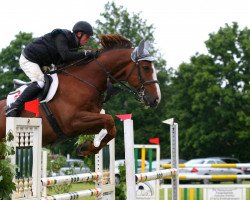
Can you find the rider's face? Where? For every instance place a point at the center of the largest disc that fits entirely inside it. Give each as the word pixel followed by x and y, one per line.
pixel 84 39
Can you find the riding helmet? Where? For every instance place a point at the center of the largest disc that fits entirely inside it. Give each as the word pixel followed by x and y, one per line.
pixel 83 26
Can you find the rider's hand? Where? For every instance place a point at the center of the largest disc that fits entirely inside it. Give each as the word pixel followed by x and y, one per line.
pixel 92 55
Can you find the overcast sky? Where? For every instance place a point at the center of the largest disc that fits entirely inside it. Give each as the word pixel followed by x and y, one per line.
pixel 182 26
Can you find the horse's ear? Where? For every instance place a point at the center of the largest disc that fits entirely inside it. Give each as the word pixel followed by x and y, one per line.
pixel 140 48
pixel 142 52
pixel 147 45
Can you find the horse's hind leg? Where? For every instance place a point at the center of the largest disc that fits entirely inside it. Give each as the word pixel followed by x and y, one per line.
pixel 96 123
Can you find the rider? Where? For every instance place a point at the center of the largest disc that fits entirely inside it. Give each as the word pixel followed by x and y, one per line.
pixel 56 47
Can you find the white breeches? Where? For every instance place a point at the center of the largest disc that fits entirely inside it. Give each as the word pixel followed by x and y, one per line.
pixel 32 70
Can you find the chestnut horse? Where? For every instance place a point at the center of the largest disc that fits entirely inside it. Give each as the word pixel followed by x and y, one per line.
pixel 79 97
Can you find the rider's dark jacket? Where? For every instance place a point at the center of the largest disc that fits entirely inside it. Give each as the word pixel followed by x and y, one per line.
pixel 57 47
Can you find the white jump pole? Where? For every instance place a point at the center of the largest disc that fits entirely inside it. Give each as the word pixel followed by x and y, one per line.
pixel 174 156
pixel 129 155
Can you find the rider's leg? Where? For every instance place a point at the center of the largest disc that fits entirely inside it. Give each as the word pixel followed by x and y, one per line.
pixel 33 71
pixel 27 95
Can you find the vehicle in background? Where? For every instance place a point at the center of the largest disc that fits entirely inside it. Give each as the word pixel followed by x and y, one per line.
pixel 247 170
pixel 230 160
pixel 227 159
pixel 72 166
pixel 209 170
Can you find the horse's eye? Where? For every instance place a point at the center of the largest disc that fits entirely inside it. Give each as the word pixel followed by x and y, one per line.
pixel 146 68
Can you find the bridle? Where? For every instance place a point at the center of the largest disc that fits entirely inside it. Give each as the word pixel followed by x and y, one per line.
pixel 139 93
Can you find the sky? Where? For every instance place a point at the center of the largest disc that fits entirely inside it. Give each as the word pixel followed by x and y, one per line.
pixel 181 26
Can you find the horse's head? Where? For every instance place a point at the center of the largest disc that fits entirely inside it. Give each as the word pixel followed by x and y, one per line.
pixel 143 77
pixel 137 68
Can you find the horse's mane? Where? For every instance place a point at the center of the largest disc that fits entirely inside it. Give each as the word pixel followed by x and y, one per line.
pixel 114 41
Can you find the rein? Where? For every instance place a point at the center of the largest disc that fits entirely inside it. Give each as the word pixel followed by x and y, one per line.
pixel 137 94
pixel 120 83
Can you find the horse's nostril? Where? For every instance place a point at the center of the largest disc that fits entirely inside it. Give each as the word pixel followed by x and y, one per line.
pixel 154 103
pixel 157 100
pixel 151 101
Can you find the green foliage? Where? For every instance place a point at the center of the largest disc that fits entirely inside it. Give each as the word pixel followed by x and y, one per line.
pixel 60 189
pixel 55 163
pixel 88 160
pixel 120 189
pixel 117 19
pixel 211 102
pixel 9 63
pixel 7 171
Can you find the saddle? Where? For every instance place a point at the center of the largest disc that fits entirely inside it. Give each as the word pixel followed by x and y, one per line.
pixel 48 92
pixel 48 80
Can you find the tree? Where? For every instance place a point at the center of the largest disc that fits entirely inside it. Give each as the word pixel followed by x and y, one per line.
pixel 9 65
pixel 212 102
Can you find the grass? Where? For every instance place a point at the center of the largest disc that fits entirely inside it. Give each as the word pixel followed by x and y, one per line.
pixel 78 187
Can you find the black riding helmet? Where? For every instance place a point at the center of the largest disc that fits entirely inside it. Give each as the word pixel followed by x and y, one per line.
pixel 84 27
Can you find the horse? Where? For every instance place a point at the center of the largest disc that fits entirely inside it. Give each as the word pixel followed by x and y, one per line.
pixel 79 98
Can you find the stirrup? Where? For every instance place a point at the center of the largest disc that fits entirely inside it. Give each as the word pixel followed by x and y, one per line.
pixel 11 112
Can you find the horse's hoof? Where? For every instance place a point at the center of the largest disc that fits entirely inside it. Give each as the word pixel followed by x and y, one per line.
pixel 87 148
pixel 83 149
pixel 83 153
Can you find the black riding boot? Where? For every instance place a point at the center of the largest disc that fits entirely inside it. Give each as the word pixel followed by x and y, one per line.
pixel 28 94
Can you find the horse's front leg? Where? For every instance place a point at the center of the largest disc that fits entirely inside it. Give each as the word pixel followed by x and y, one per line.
pixel 93 123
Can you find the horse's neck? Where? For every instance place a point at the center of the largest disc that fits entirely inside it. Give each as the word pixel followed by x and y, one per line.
pixel 93 74
pixel 117 61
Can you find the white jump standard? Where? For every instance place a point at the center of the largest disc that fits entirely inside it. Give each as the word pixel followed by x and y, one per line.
pixel 131 177
pixel 27 144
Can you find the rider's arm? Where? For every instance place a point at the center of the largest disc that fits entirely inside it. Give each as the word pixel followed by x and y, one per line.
pixel 61 43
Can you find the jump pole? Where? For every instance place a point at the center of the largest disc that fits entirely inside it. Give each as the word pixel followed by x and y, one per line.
pixel 174 156
pixel 129 155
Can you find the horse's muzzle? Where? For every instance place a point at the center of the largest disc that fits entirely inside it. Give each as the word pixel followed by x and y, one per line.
pixel 151 101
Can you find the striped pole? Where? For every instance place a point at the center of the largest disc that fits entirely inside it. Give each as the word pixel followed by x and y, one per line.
pixel 59 180
pixel 74 195
pixel 174 156
pixel 237 165
pixel 213 177
pixel 143 177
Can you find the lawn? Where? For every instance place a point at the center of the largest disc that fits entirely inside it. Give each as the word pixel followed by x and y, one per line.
pixel 78 187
